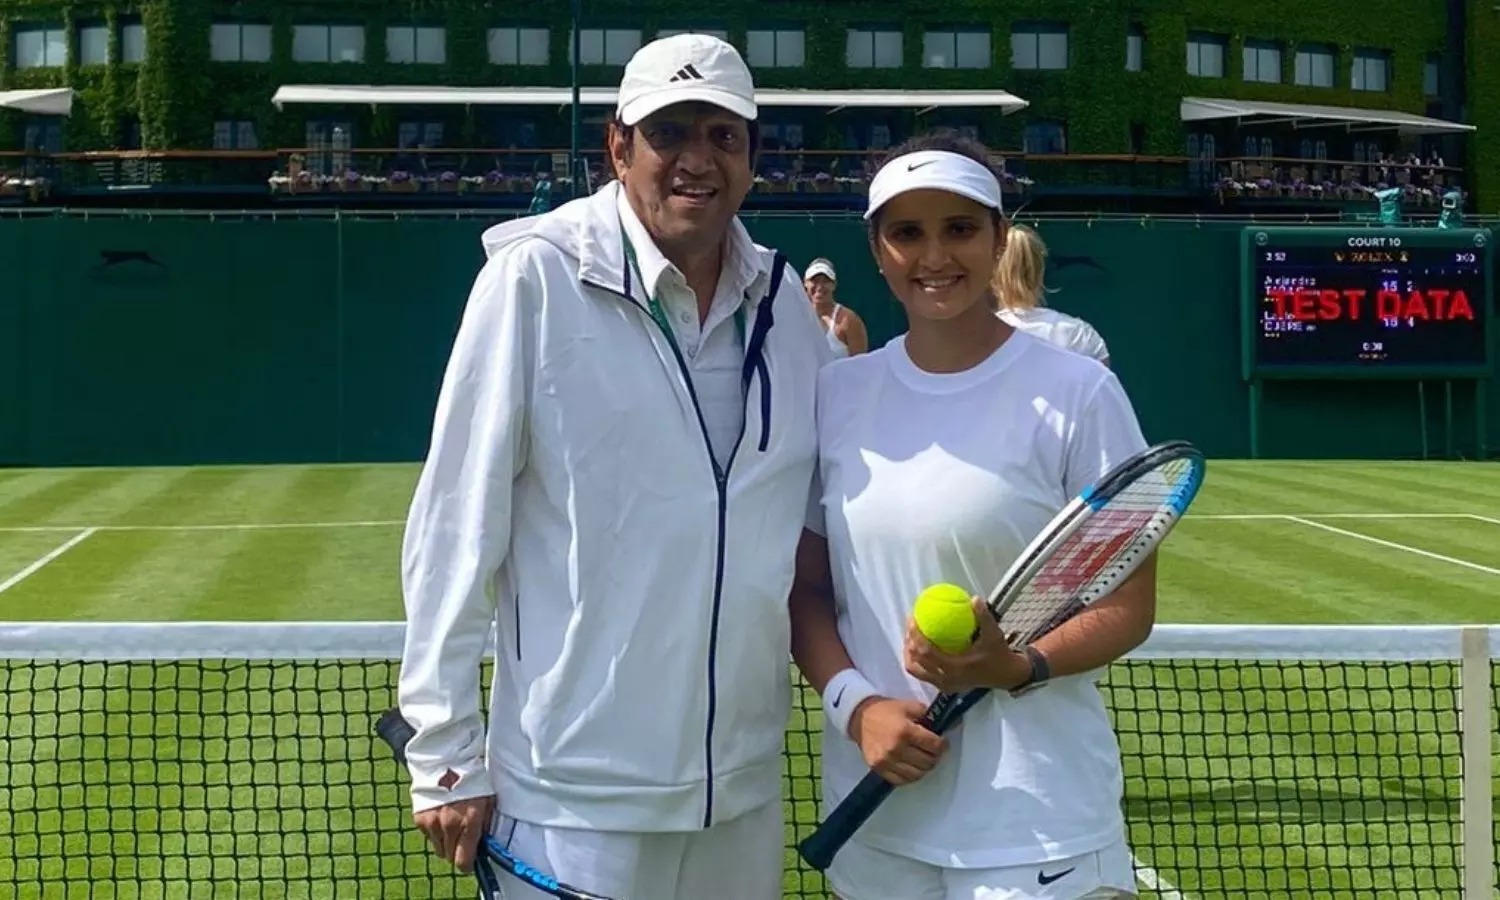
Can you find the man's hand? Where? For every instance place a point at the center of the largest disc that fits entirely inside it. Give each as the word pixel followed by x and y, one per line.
pixel 892 741
pixel 456 828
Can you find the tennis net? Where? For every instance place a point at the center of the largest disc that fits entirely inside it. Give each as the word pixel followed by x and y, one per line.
pixel 177 760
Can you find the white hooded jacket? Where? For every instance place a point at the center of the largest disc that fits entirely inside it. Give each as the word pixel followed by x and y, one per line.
pixel 570 518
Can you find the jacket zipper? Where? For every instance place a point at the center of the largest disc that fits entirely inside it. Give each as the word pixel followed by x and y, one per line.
pixel 721 485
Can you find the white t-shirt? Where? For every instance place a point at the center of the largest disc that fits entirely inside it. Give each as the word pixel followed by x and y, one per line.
pixel 1057 327
pixel 930 478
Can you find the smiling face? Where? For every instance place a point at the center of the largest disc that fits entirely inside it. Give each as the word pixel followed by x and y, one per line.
pixel 937 251
pixel 685 169
pixel 819 289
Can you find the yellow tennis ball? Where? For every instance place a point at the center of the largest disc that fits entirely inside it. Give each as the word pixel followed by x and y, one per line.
pixel 945 616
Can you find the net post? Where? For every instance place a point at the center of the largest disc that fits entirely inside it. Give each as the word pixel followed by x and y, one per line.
pixel 1476 727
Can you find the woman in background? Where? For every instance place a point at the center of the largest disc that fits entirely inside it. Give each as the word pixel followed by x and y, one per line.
pixel 845 329
pixel 1020 291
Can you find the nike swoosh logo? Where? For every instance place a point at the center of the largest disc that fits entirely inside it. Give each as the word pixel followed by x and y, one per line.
pixel 1044 878
pixel 839 696
pixel 912 167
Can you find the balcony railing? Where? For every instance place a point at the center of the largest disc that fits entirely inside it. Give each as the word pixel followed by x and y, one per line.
pixel 512 173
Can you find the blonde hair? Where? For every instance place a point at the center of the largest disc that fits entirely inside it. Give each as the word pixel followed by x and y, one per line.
pixel 1018 279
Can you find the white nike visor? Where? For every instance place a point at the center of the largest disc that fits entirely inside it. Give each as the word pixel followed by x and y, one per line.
pixel 941 170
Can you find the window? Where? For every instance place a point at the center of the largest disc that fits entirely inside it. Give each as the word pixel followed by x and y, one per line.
pixel 778 48
pixel 606 46
pixel 40 47
pixel 1039 46
pixel 1135 49
pixel 230 134
pixel 1314 66
pixel 329 142
pixel 1310 149
pixel 719 33
pixel 93 45
pixel 328 43
pixel 520 46
pixel 1263 62
pixel 43 136
pixel 1200 151
pixel 231 42
pixel 960 48
pixel 1205 55
pixel 133 43
pixel 1045 137
pixel 1432 75
pixel 411 135
pixel 411 44
pixel 1371 70
pixel 870 48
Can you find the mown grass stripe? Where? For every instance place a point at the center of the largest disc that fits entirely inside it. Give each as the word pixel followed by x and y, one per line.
pixel 1466 539
pixel 1308 577
pixel 1317 492
pixel 59 498
pixel 130 576
pixel 268 571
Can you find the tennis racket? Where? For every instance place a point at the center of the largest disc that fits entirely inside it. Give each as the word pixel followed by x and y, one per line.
pixel 1088 549
pixel 396 731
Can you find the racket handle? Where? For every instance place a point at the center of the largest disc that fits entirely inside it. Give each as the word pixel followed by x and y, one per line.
pixel 819 848
pixel 395 731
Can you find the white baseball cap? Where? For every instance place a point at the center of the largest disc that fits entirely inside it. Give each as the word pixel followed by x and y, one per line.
pixel 820 266
pixel 683 68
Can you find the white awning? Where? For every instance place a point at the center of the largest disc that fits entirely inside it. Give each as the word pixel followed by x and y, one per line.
pixel 599 96
pixel 44 102
pixel 1303 115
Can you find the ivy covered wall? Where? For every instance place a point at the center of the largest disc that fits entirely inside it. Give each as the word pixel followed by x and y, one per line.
pixel 177 93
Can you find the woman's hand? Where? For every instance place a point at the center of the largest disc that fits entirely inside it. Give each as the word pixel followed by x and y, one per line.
pixel 988 662
pixel 892 741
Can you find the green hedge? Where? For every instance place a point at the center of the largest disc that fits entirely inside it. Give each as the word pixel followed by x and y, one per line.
pixel 1097 98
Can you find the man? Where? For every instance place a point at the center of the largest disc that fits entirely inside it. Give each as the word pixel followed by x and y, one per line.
pixel 620 470
pixel 845 329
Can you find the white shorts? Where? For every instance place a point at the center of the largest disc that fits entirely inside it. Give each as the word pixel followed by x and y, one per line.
pixel 861 872
pixel 741 858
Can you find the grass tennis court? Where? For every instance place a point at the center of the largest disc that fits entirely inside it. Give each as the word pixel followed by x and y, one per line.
pixel 1347 767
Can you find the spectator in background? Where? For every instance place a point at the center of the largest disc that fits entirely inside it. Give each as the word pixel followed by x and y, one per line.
pixel 1020 291
pixel 845 329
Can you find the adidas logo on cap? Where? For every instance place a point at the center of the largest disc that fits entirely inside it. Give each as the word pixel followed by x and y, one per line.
pixel 686 73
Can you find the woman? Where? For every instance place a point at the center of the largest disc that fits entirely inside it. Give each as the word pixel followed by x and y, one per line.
pixel 1019 287
pixel 845 329
pixel 941 455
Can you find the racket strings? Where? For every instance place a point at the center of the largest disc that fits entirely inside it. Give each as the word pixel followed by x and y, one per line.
pixel 1091 561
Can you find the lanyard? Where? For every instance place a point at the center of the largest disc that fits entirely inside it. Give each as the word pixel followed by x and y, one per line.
pixel 659 314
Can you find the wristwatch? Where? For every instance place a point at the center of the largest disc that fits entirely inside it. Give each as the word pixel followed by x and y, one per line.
pixel 1040 671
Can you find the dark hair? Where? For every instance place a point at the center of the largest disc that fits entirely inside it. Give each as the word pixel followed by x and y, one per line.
pixel 940 139
pixel 612 124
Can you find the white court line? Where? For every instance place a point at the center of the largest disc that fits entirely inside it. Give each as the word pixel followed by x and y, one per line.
pixel 1248 517
pixel 1153 880
pixel 238 526
pixel 1395 546
pixel 32 569
pixel 1489 519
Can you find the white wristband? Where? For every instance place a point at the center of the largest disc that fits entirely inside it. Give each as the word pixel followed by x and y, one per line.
pixel 843 694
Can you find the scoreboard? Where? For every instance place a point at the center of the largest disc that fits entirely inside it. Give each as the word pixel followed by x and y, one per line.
pixel 1336 302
